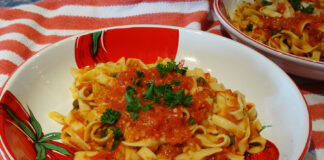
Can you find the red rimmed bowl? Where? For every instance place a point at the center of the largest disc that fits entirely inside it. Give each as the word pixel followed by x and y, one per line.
pixel 43 83
pixel 290 63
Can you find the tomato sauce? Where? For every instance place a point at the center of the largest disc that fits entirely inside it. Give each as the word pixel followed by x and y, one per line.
pixel 294 24
pixel 162 122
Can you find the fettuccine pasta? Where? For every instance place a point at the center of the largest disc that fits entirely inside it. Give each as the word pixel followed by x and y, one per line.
pixel 292 26
pixel 133 111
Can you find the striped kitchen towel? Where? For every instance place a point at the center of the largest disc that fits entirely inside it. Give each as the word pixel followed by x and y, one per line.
pixel 26 29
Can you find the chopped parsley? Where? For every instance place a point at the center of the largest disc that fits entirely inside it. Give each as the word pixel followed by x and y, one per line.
pixel 149 94
pixel 174 98
pixel 133 80
pixel 133 104
pixel 249 27
pixel 169 67
pixel 160 89
pixel 118 134
pixel 147 107
pixel 191 120
pixel 110 116
pixel 140 74
pixel 175 82
pixel 134 115
pixel 130 89
pixel 295 4
pixel 138 82
pixel 308 9
pixel 170 98
pixel 266 3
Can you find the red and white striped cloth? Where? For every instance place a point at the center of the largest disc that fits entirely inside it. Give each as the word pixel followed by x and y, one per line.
pixel 26 29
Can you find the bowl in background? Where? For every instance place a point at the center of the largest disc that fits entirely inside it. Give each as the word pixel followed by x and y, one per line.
pixel 292 64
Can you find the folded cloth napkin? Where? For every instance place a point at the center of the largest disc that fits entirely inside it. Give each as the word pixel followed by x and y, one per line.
pixel 26 29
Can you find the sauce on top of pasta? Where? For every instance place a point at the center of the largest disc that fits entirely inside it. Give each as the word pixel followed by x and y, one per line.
pixel 132 111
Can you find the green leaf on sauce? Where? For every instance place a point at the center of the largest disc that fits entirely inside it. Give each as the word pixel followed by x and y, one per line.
pixel 118 135
pixel 110 116
pixel 170 66
pixel 140 74
pixel 175 82
pixel 295 4
pixel 147 107
pixel 191 120
pixel 308 9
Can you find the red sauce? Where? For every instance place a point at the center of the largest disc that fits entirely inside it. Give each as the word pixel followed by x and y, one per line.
pixel 161 122
pixel 294 24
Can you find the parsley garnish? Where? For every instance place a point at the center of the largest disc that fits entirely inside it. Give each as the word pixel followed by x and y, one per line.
pixel 138 82
pixel 266 3
pixel 191 120
pixel 308 9
pixel 295 4
pixel 130 89
pixel 170 66
pixel 133 105
pixel 118 134
pixel 173 98
pixel 110 116
pixel 147 107
pixel 175 82
pixel 134 115
pixel 170 98
pixel 133 80
pixel 149 94
pixel 139 74
pixel 249 27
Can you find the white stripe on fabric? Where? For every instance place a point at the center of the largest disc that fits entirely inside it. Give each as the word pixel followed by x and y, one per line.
pixel 316 154
pixel 11 56
pixel 119 11
pixel 218 27
pixel 194 25
pixel 24 40
pixel 39 28
pixel 313 99
pixel 3 78
pixel 318 125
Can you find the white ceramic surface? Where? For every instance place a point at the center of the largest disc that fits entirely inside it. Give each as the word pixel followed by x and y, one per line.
pixel 43 83
pixel 290 63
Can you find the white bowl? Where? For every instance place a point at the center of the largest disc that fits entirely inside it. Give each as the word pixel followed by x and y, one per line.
pixel 44 80
pixel 290 63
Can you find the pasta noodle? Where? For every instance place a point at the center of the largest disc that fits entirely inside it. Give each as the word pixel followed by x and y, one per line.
pixel 295 27
pixel 133 111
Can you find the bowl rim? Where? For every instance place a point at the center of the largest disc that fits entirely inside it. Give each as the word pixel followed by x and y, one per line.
pixel 3 144
pixel 275 52
pixel 261 46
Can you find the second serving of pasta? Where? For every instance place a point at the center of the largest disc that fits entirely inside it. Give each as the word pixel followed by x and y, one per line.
pixel 292 26
pixel 131 110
